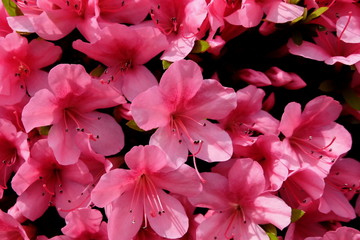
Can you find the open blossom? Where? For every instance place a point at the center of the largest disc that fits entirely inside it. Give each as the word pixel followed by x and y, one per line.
pixel 54 19
pixel 248 120
pixel 135 197
pixel 20 66
pixel 240 204
pixel 125 50
pixel 342 183
pixel 327 48
pixel 180 21
pixel 42 182
pixel 69 106
pixel 179 107
pixel 83 223
pixel 312 138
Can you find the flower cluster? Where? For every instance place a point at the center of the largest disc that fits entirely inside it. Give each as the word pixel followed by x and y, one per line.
pixel 179 119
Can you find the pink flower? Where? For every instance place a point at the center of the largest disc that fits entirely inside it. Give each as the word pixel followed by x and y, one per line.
pixel 342 183
pixel 312 138
pixel 180 21
pixel 54 19
pixel 85 223
pixel 179 107
pixel 14 150
pixel 342 233
pixel 135 197
pixel 10 228
pixel 327 48
pixel 248 120
pixel 20 64
pixel 42 182
pixel 69 106
pixel 124 50
pixel 240 204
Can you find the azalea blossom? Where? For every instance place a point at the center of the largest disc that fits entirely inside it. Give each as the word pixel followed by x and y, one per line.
pixel 179 106
pixel 20 66
pixel 180 21
pixel 312 137
pixel 69 107
pixel 42 182
pixel 124 50
pixel 135 197
pixel 10 228
pixel 240 204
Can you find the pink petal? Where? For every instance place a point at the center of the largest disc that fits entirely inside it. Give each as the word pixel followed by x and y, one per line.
pixel 254 77
pixel 152 41
pixel 54 25
pixel 179 47
pixel 111 186
pixel 66 78
pixel 348 28
pixel 145 105
pixel 214 193
pixel 249 15
pixel 137 80
pixel 290 119
pixel 281 12
pixel 335 201
pixel 183 181
pixel 271 209
pixel 22 23
pixel 169 143
pixel 149 159
pixel 321 111
pixel 32 203
pixel 36 81
pixel 42 53
pixel 123 224
pixel 107 137
pixel 180 82
pixel 64 144
pixel 173 223
pixel 216 145
pixel 309 50
pixel 249 184
pixel 40 111
pixel 212 101
pixel 82 220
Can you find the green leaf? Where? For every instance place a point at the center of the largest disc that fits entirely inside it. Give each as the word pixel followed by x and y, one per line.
pixel 272 236
pixel 316 13
pixel 296 20
pixel 352 98
pixel 44 130
pixel 294 1
pixel 296 214
pixel 132 124
pixel 328 86
pixel 269 228
pixel 166 64
pixel 200 46
pixel 98 71
pixel 12 8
